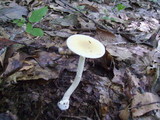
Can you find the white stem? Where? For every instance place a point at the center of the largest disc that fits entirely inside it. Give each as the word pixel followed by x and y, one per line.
pixel 64 103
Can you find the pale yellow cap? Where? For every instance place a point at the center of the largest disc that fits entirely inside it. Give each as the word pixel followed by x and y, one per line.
pixel 85 46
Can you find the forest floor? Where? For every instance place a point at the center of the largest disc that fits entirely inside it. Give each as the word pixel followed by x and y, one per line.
pixel 37 68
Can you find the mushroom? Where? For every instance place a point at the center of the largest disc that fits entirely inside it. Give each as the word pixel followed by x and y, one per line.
pixel 86 47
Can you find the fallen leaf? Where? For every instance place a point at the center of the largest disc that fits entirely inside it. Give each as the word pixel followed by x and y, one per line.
pixel 14 64
pixel 101 86
pixel 63 34
pixel 88 89
pixel 34 73
pixel 45 59
pixel 142 103
pixel 86 24
pixel 107 61
pixel 5 42
pixel 12 13
pixel 120 53
pixel 27 65
pixel 2 56
pixel 105 36
pixel 118 76
pixel 90 7
pixel 3 33
pixel 124 114
pixel 104 109
pixel 69 20
pixel 144 27
pixel 132 78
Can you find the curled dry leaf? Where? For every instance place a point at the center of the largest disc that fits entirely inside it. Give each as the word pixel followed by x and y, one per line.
pixel 46 59
pixel 28 65
pixel 133 79
pixel 28 72
pixel 14 64
pixel 90 7
pixel 107 61
pixel 105 36
pixel 5 42
pixel 118 76
pixel 144 26
pixel 120 53
pixel 141 103
pixel 3 33
pixel 101 86
pixel 104 110
pixel 124 114
pixel 86 25
pixel 67 21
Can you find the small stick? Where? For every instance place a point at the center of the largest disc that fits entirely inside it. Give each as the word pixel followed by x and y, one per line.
pixel 98 118
pixel 77 117
pixel 141 105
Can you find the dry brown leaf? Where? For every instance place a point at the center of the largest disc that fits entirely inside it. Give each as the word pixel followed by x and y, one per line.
pixel 66 21
pixel 45 59
pixel 124 114
pixel 118 76
pixel 107 61
pixel 34 73
pixel 144 27
pixel 120 53
pixel 14 12
pixel 90 7
pixel 14 64
pixel 104 110
pixel 28 65
pixel 133 79
pixel 142 103
pixel 58 33
pixel 3 33
pixel 101 86
pixel 2 56
pixel 105 36
pixel 86 25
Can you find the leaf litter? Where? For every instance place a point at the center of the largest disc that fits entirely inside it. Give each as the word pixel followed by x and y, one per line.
pixel 122 85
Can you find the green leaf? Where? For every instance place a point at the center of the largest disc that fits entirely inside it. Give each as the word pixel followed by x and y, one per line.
pixel 37 15
pixel 15 21
pixel 120 7
pixel 81 7
pixel 19 22
pixel 37 32
pixel 109 18
pixel 34 31
pixel 29 28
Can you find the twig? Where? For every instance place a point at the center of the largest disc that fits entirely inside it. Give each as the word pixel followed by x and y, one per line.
pixel 77 117
pixel 98 118
pixel 59 115
pixel 141 105
pixel 96 23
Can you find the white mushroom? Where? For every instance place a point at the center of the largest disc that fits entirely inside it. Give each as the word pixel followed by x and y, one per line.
pixel 85 47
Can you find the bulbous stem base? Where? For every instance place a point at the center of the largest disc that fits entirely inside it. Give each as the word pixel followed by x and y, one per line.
pixel 63 104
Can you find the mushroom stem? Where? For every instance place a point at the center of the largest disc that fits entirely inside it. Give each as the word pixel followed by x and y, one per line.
pixel 64 103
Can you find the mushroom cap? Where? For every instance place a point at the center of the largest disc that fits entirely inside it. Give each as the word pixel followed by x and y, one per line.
pixel 85 46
